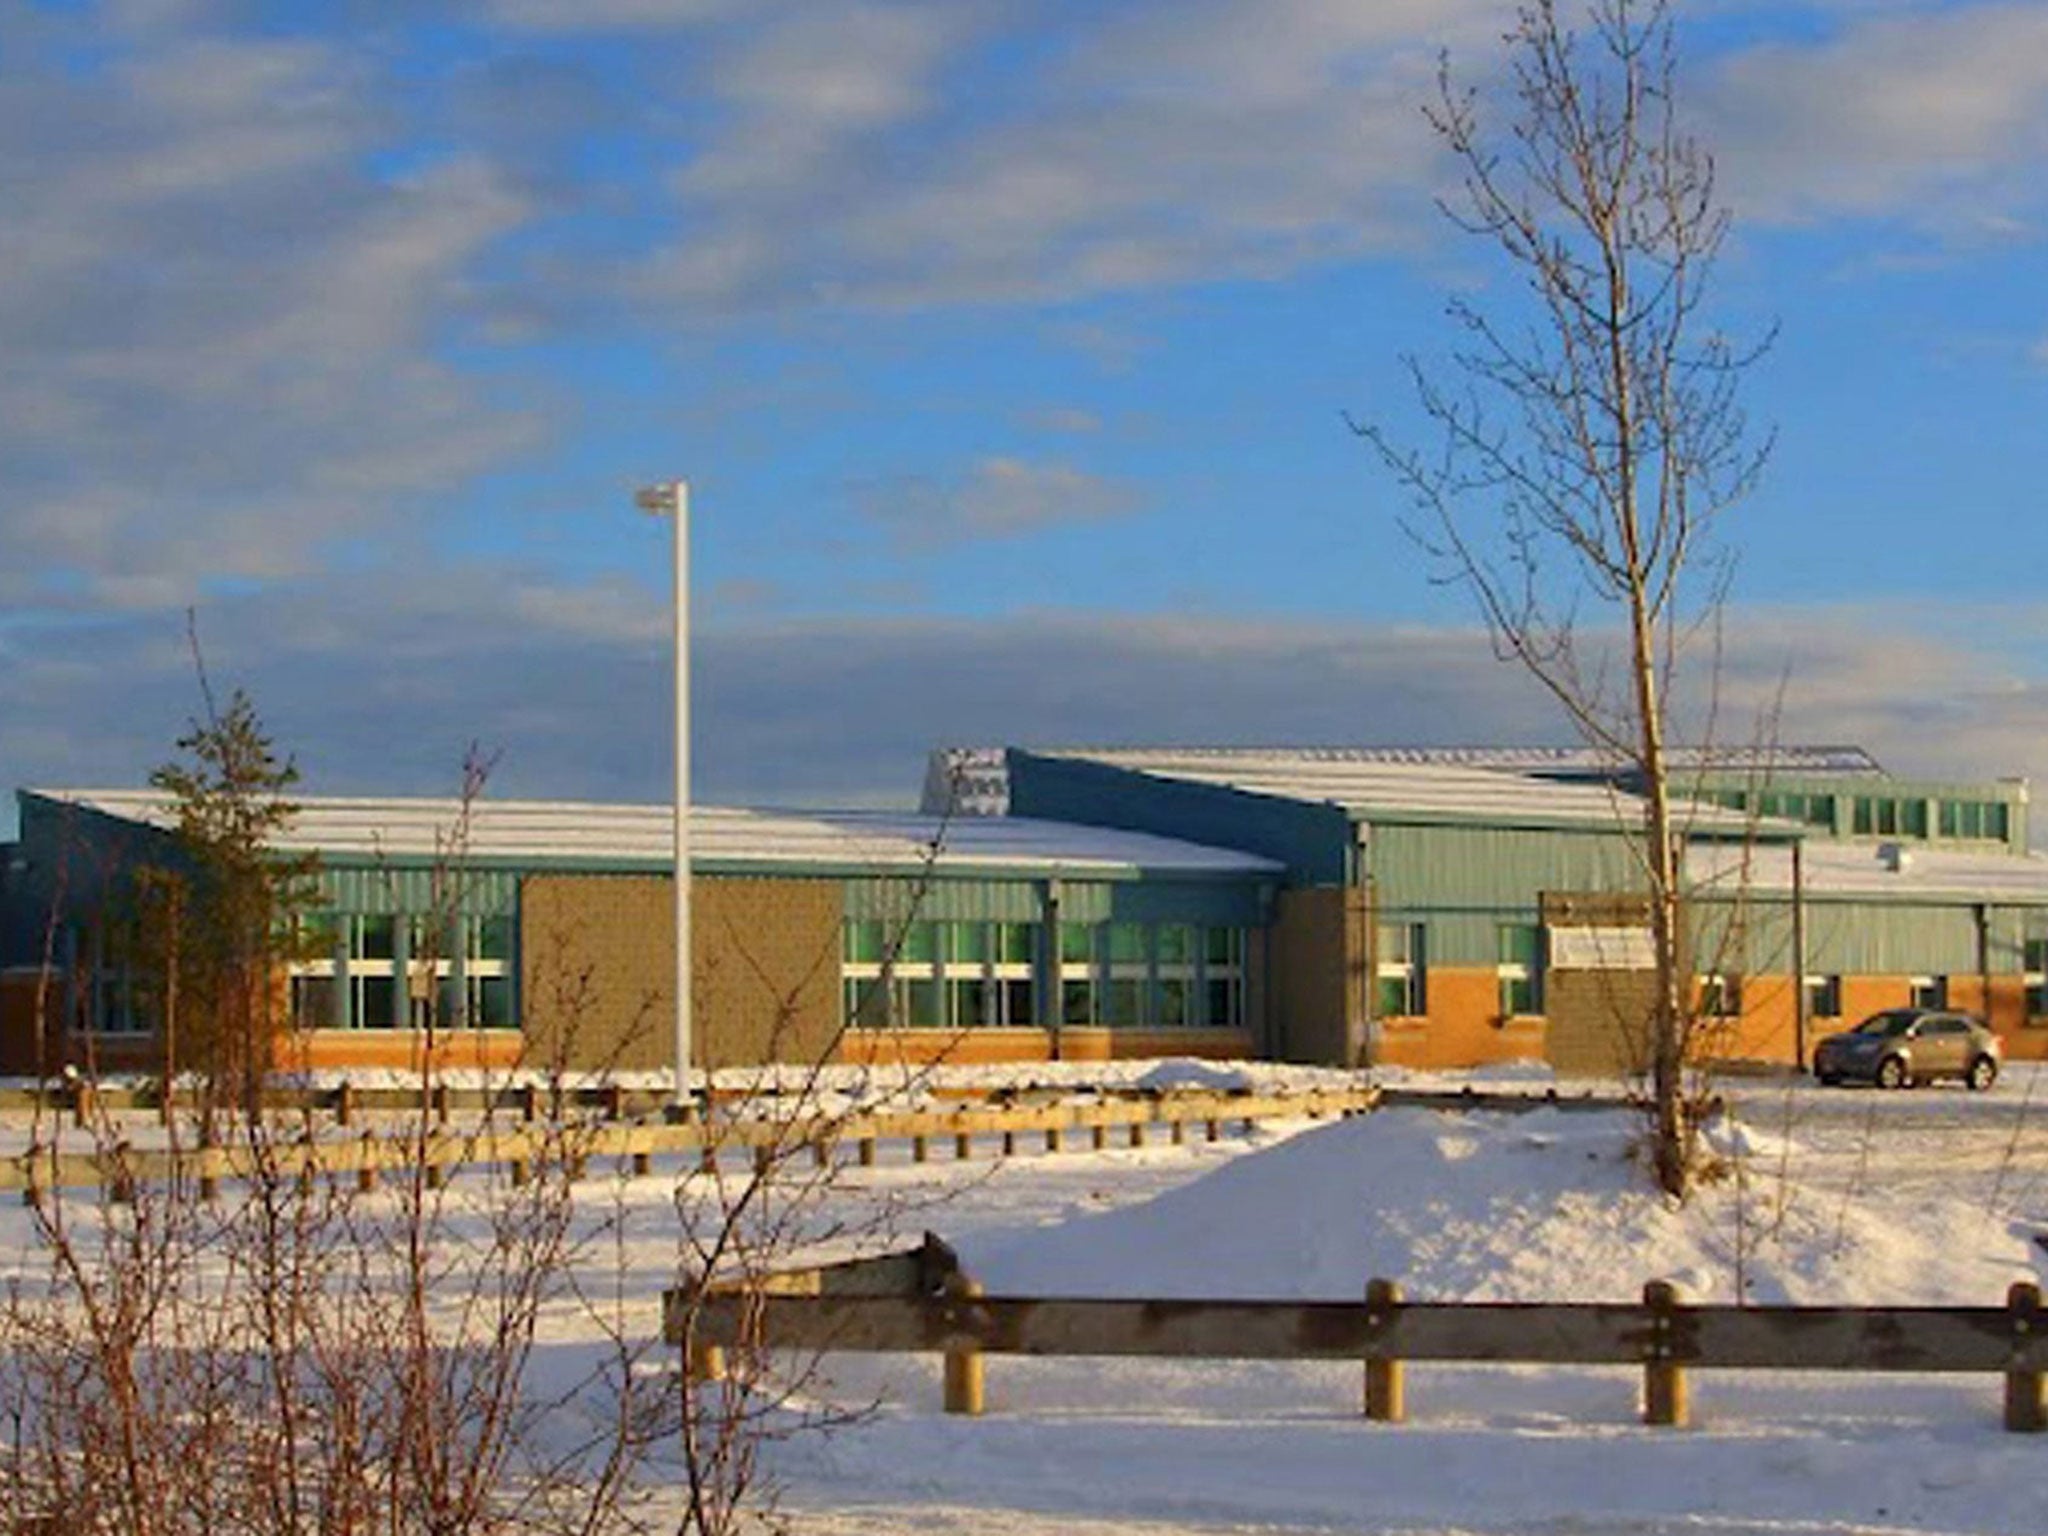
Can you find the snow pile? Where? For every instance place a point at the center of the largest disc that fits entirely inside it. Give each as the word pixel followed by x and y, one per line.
pixel 1547 1205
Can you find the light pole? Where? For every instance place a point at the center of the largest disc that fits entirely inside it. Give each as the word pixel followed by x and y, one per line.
pixel 672 498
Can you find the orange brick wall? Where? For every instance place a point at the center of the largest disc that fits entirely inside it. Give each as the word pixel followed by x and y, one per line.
pixel 1463 1027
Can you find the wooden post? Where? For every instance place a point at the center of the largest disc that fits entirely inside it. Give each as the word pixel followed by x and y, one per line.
pixel 345 1105
pixel 866 1149
pixel 81 1103
pixel 963 1146
pixel 366 1170
pixel 440 1103
pixel 522 1173
pixel 1212 1129
pixel 1177 1129
pixel 707 1158
pixel 1054 1141
pixel 920 1148
pixel 2026 1407
pixel 576 1161
pixel 1386 1393
pixel 437 1175
pixel 704 1362
pixel 614 1101
pixel 1137 1133
pixel 965 1378
pixel 1664 1393
pixel 821 1153
pixel 1099 1135
pixel 529 1102
pixel 1009 1143
pixel 764 1159
pixel 643 1163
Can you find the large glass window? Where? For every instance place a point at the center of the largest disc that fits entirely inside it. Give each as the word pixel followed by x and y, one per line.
pixel 1400 965
pixel 1223 977
pixel 1130 975
pixel 1929 992
pixel 1521 969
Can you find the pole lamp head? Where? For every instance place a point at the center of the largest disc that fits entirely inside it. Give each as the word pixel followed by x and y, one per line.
pixel 661 499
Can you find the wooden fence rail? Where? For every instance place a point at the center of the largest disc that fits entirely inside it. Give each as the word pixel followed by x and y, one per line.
pixel 915 1303
pixel 517 1141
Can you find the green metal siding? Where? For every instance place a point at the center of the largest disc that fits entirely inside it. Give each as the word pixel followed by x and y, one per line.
pixel 378 889
pixel 1890 938
pixel 1466 881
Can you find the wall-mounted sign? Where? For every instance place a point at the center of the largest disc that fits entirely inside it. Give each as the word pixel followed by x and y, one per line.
pixel 1592 947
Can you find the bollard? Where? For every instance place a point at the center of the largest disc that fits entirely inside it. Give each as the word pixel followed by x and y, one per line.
pixel 1009 1143
pixel 1212 1129
pixel 1386 1392
pixel 2026 1406
pixel 614 1101
pixel 1664 1388
pixel 764 1159
pixel 821 1153
pixel 437 1176
pixel 522 1173
pixel 965 1378
pixel 1178 1132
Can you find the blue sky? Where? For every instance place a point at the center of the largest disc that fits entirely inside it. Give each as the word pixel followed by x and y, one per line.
pixel 1007 344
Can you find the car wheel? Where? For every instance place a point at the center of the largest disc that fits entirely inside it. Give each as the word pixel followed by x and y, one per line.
pixel 1891 1073
pixel 1983 1073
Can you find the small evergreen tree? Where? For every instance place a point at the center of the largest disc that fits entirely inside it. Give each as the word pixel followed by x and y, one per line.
pixel 226 916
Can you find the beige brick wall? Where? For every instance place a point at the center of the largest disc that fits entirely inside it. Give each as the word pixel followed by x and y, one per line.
pixel 597 963
pixel 1318 963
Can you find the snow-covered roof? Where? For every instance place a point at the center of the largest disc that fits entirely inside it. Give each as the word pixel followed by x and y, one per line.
pixel 1864 870
pixel 642 835
pixel 1370 789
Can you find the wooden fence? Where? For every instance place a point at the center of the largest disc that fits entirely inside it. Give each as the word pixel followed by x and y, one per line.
pixel 516 1140
pixel 922 1302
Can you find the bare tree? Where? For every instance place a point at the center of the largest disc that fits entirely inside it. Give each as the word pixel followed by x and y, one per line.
pixel 1590 431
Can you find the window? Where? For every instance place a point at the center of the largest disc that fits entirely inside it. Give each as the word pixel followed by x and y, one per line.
pixel 1929 992
pixel 1178 974
pixel 1077 973
pixel 1521 969
pixel 2036 965
pixel 1401 971
pixel 1720 997
pixel 372 972
pixel 1223 977
pixel 1130 975
pixel 1823 997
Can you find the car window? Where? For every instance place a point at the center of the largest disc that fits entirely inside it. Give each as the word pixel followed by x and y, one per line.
pixel 1892 1023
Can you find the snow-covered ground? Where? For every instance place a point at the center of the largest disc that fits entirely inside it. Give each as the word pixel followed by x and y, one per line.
pixel 1826 1196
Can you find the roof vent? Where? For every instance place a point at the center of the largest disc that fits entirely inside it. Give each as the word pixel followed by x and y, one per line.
pixel 1896 857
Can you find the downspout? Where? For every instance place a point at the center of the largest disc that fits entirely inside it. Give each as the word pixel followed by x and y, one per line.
pixel 1802 1021
pixel 1981 911
pixel 1053 1006
pixel 1366 1051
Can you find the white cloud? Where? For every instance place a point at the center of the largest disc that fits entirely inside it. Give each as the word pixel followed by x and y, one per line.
pixel 221 332
pixel 1941 115
pixel 380 684
pixel 997 497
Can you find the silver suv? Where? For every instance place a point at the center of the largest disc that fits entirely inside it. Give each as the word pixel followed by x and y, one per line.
pixel 1911 1045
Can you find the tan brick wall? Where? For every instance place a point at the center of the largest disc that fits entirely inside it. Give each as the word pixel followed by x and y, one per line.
pixel 1313 988
pixel 597 963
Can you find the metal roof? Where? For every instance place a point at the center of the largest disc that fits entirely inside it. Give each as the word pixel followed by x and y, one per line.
pixel 1866 871
pixel 510 831
pixel 1369 789
pixel 1579 761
